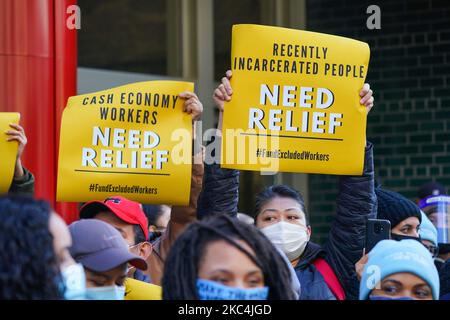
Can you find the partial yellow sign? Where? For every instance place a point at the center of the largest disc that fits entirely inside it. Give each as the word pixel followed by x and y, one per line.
pixel 140 290
pixel 134 140
pixel 295 104
pixel 8 150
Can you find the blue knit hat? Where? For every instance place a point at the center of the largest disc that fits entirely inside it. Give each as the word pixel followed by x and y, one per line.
pixel 389 257
pixel 427 230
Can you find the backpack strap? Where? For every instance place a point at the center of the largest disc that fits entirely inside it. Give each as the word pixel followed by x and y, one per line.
pixel 330 278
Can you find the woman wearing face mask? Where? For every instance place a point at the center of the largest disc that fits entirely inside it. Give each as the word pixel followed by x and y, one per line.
pixel 104 254
pixel 399 270
pixel 437 209
pixel 404 215
pixel 222 258
pixel 326 272
pixel 35 262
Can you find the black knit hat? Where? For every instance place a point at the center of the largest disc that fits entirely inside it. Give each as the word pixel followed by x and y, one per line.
pixel 394 207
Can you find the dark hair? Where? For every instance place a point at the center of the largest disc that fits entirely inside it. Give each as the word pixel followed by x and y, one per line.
pixel 153 212
pixel 29 269
pixel 182 264
pixel 138 234
pixel 283 191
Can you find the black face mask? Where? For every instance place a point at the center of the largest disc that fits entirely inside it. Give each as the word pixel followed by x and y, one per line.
pixel 400 237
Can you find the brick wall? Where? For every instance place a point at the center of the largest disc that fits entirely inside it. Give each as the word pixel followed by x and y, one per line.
pixel 409 72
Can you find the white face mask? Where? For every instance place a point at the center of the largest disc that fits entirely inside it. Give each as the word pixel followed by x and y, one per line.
pixel 288 237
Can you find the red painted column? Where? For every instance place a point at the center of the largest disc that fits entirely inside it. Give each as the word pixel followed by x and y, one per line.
pixel 65 82
pixel 37 74
pixel 27 82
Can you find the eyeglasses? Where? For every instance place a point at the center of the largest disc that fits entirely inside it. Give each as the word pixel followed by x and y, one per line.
pixel 434 250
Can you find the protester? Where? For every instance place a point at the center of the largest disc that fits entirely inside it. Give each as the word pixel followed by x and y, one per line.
pixel 324 273
pixel 129 219
pixel 399 270
pixel 158 218
pixel 428 235
pixel 35 262
pixel 404 215
pixel 437 209
pixel 180 218
pixel 23 180
pixel 104 254
pixel 222 258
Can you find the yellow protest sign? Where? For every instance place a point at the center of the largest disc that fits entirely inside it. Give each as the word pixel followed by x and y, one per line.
pixel 134 141
pixel 140 290
pixel 8 150
pixel 295 104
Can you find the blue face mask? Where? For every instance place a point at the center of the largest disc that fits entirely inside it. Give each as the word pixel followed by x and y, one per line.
pixel 106 293
pixel 210 290
pixel 389 298
pixel 74 282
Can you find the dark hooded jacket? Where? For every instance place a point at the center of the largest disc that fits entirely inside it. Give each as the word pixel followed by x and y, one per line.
pixel 24 185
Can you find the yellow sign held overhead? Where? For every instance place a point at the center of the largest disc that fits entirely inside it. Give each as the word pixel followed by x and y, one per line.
pixel 295 104
pixel 8 150
pixel 134 140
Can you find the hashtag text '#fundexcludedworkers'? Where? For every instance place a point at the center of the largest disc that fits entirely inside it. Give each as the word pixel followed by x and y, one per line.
pixel 126 189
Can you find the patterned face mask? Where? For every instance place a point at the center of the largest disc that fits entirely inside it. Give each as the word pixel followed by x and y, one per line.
pixel 211 290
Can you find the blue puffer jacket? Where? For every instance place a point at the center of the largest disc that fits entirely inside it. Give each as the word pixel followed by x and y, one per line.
pixel 356 202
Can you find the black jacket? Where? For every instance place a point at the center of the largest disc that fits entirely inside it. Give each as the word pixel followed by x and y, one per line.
pixel 24 185
pixel 356 202
pixel 220 192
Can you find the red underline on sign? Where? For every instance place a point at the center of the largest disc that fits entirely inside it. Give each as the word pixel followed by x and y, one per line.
pixel 283 136
pixel 124 172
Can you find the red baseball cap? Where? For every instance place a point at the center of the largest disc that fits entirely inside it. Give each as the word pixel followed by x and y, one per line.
pixel 129 211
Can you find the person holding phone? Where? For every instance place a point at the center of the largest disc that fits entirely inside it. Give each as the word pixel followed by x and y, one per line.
pixel 405 216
